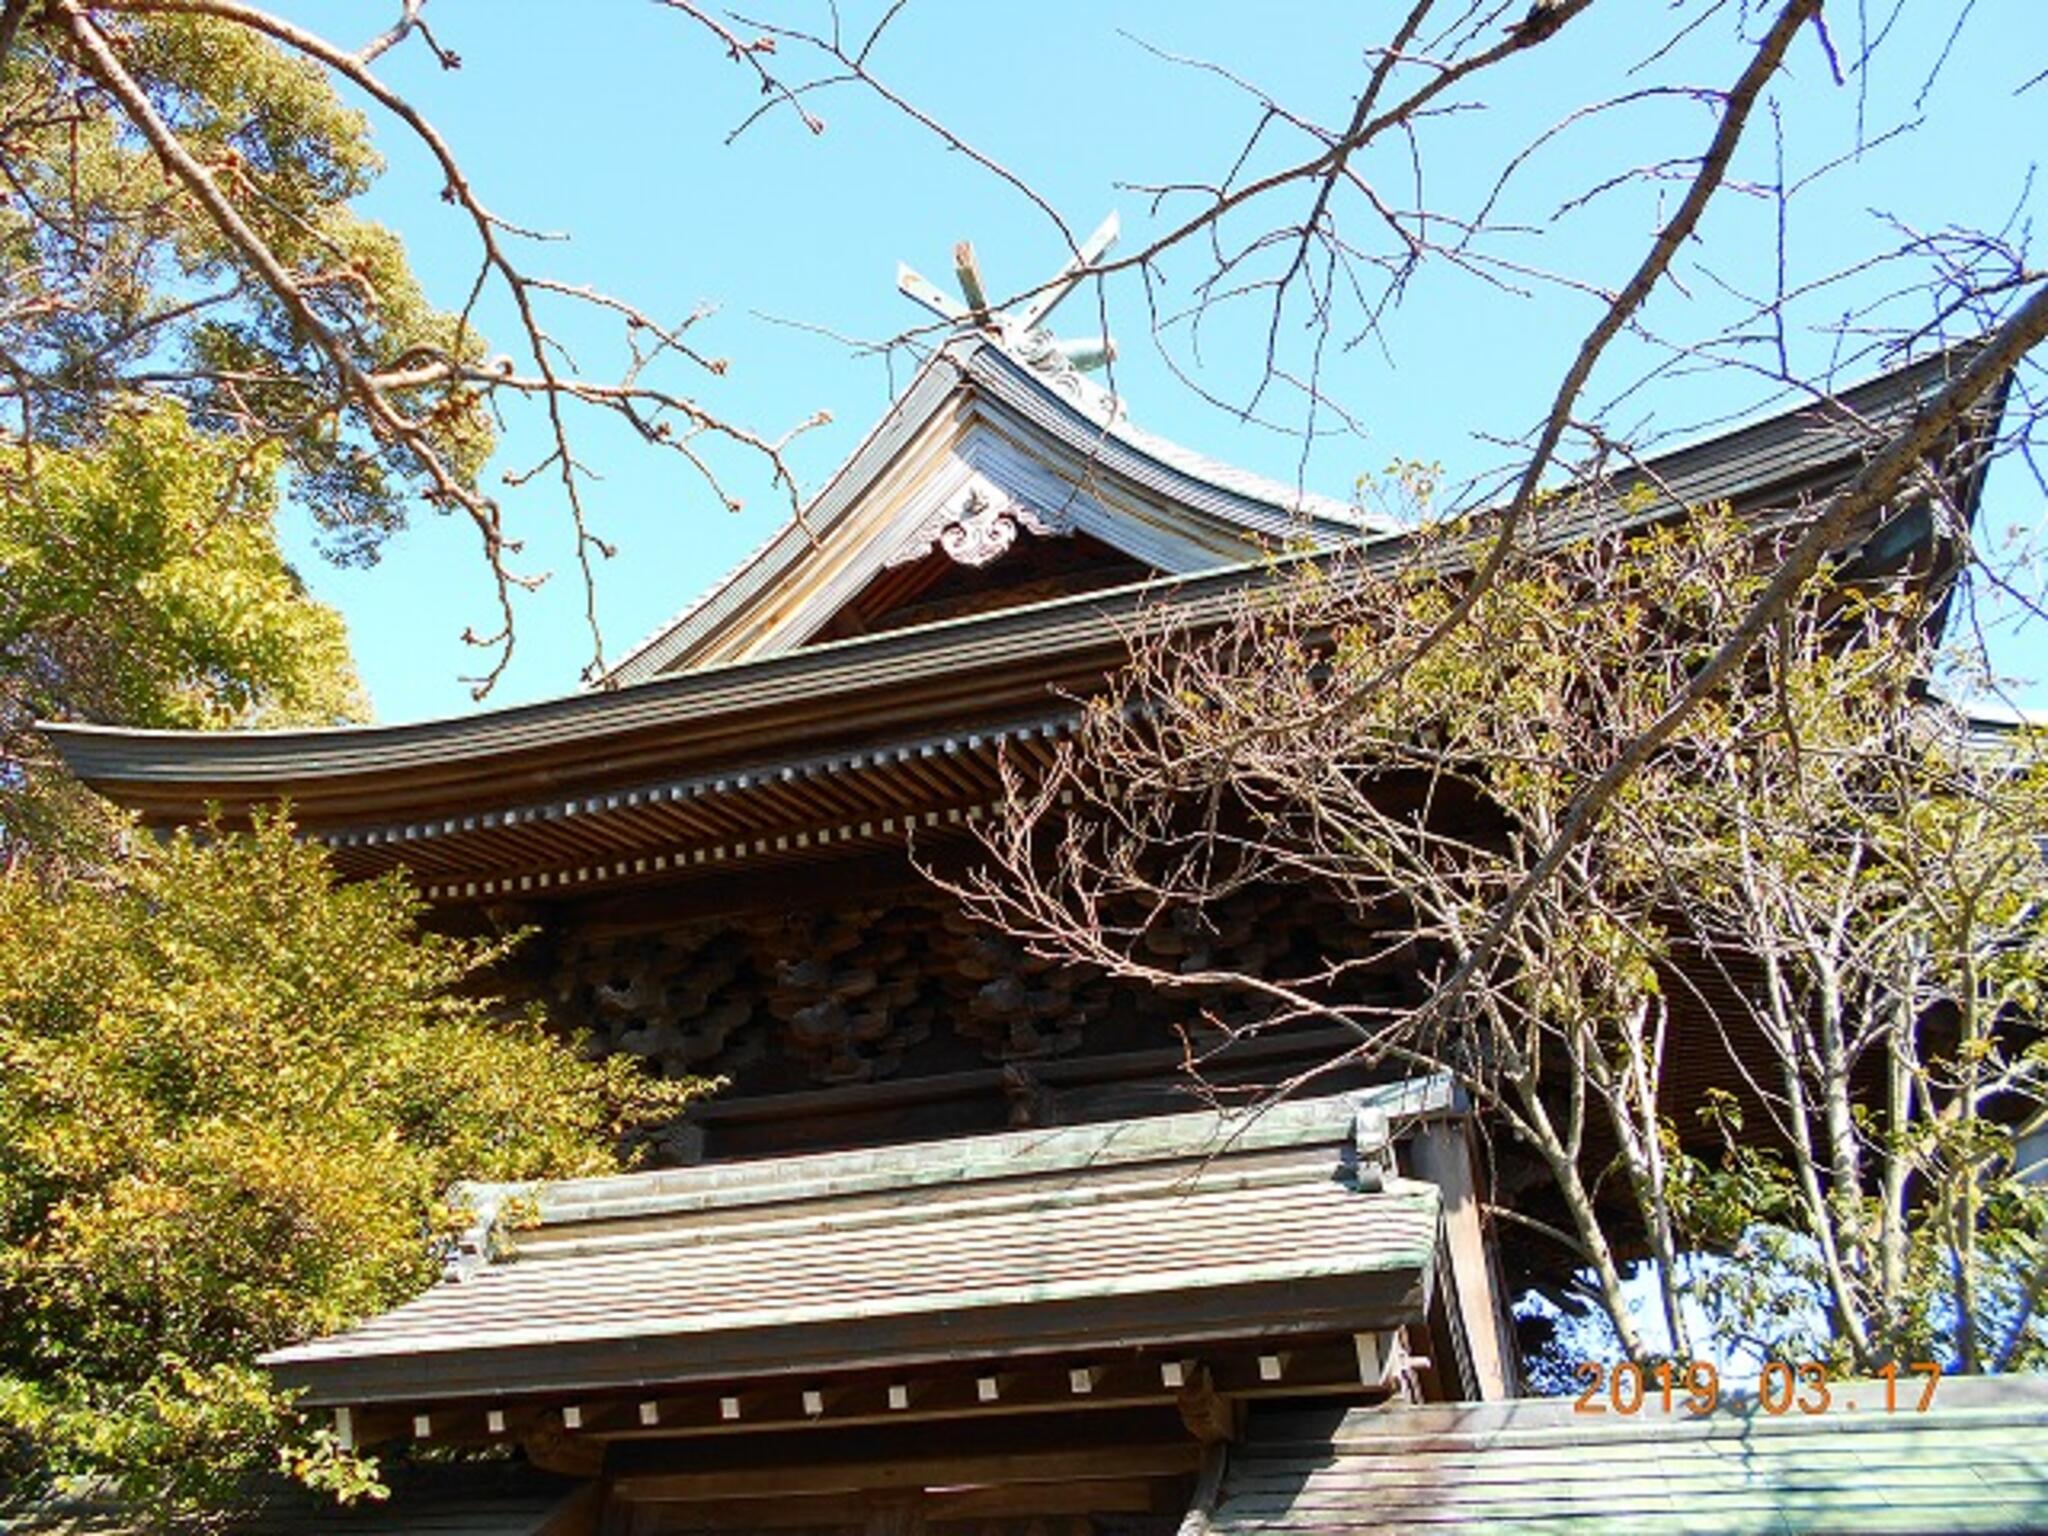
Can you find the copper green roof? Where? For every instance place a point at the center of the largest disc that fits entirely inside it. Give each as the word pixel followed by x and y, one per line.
pixel 1162 1231
pixel 1977 1461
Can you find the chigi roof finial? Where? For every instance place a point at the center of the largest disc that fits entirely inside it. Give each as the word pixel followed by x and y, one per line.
pixel 1021 332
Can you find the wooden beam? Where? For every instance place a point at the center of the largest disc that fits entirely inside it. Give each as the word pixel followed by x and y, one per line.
pixel 1118 1496
pixel 1017 1391
pixel 929 294
pixel 969 272
pixel 1062 1465
pixel 577 1515
pixel 1036 309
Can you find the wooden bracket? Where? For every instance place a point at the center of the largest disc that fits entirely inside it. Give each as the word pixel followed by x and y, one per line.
pixel 1380 1357
pixel 1209 1416
pixel 551 1446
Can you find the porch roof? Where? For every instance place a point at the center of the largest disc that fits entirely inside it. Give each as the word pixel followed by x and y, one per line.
pixel 1163 1231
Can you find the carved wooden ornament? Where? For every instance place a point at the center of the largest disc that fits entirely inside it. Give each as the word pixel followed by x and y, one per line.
pixel 979 531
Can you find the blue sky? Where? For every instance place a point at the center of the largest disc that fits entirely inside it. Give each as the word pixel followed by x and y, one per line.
pixel 607 120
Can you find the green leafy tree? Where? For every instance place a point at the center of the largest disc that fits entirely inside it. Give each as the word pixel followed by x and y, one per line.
pixel 143 585
pixel 178 181
pixel 232 1094
pixel 126 282
pixel 1871 876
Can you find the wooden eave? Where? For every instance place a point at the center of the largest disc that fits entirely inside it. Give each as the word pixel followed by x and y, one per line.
pixel 831 745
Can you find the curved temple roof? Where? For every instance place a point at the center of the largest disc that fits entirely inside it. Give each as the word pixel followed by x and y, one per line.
pixel 839 742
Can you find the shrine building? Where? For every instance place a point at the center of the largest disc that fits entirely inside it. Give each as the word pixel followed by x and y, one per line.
pixel 959 1247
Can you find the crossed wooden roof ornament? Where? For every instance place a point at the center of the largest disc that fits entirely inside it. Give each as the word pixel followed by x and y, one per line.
pixel 1021 331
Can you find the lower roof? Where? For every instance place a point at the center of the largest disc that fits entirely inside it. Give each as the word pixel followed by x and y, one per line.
pixel 1174 1229
pixel 1976 1460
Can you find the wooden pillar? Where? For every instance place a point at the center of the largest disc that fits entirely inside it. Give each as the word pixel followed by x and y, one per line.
pixel 1441 1152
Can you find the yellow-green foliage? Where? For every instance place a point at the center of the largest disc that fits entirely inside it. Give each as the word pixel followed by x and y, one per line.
pixel 148 570
pixel 124 287
pixel 144 586
pixel 1815 866
pixel 232 1093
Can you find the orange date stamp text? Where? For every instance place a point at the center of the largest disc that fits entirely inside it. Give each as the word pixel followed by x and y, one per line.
pixel 1781 1387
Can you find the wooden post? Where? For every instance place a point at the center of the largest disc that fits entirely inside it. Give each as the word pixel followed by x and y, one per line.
pixel 1441 1152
